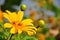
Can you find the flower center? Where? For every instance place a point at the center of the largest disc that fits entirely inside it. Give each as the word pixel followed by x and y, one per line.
pixel 19 24
pixel 13 23
pixel 16 24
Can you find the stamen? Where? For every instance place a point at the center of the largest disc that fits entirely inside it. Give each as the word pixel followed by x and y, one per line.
pixel 13 22
pixel 19 24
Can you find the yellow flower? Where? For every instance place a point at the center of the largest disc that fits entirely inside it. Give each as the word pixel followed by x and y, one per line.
pixel 1 16
pixel 18 25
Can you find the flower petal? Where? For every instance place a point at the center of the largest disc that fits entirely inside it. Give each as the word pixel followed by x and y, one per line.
pixel 13 30
pixel 8 12
pixel 30 30
pixel 19 31
pixel 7 25
pixel 20 15
pixel 6 16
pixel 27 22
pixel 31 27
pixel 30 33
pixel 13 16
pixel 30 24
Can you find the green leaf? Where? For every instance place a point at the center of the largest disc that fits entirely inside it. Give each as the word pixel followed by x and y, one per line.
pixel 1 24
pixel 45 30
pixel 50 38
pixel 30 38
pixel 2 36
pixel 17 37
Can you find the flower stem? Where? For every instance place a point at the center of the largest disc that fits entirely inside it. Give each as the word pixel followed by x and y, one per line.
pixel 10 37
pixel 18 36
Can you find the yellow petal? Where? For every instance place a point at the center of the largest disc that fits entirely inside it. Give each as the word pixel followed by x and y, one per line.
pixel 20 15
pixel 27 22
pixel 8 12
pixel 30 33
pixel 19 31
pixel 13 30
pixel 7 25
pixel 7 16
pixel 13 16
pixel 30 24
pixel 31 27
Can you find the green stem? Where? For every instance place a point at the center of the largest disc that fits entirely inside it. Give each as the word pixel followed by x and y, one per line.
pixel 19 36
pixel 9 37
